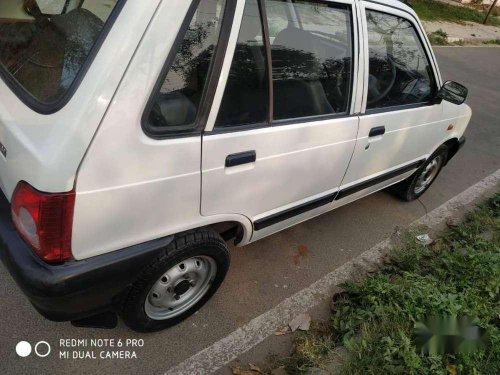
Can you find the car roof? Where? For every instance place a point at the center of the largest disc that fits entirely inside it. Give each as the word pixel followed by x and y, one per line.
pixel 399 4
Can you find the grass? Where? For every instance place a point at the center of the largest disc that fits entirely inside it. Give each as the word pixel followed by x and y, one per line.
pixel 438 38
pixel 492 41
pixel 430 10
pixel 371 330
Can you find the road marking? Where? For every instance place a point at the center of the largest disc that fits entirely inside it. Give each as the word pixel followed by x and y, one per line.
pixel 257 330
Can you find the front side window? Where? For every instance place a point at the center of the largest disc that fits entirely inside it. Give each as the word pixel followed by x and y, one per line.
pixel 312 49
pixel 399 70
pixel 45 43
pixel 176 105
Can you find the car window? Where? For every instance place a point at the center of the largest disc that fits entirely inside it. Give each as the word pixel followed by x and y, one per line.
pixel 176 105
pixel 45 43
pixel 246 99
pixel 312 49
pixel 399 70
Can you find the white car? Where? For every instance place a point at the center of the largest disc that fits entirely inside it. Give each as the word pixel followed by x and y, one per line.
pixel 137 137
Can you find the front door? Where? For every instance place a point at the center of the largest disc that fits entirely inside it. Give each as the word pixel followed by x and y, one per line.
pixel 402 122
pixel 284 133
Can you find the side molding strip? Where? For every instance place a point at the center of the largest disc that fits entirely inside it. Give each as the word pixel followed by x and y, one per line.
pixel 300 209
pixel 294 211
pixel 377 180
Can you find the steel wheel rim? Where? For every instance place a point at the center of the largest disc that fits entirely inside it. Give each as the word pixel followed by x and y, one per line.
pixel 180 288
pixel 428 174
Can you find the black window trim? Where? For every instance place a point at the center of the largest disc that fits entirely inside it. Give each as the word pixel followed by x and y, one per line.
pixel 401 107
pixel 269 65
pixel 212 77
pixel 297 120
pixel 279 123
pixel 430 58
pixel 415 24
pixel 50 108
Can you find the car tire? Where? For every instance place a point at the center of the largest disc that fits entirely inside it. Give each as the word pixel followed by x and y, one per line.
pixel 178 283
pixel 417 184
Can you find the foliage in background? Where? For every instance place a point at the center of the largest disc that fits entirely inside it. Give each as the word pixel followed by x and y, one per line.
pixel 438 38
pixel 373 322
pixel 493 41
pixel 430 10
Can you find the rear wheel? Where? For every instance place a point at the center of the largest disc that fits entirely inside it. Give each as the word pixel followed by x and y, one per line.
pixel 417 184
pixel 178 283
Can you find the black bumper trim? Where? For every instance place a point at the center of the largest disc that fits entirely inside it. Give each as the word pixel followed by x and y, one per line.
pixel 76 289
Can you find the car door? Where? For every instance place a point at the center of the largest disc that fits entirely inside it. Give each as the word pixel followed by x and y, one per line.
pixel 401 121
pixel 282 128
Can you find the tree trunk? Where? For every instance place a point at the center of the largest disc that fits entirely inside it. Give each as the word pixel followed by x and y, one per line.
pixel 489 11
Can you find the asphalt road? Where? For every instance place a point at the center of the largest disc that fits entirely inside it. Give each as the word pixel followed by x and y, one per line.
pixel 265 273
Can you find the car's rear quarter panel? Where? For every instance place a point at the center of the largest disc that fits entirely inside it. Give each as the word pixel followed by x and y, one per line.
pixel 46 150
pixel 132 188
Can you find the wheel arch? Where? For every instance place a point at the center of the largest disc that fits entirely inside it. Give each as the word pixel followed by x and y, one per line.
pixel 231 230
pixel 229 226
pixel 453 146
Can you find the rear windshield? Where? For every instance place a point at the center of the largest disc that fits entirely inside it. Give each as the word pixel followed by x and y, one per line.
pixel 45 43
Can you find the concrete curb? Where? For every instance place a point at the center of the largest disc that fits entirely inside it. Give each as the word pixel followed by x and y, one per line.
pixel 257 330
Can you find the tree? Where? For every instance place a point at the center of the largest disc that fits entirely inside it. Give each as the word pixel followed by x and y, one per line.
pixel 489 11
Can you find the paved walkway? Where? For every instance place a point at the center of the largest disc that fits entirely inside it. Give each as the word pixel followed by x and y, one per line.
pixel 470 32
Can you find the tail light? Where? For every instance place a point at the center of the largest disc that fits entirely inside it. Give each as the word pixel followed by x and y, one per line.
pixel 44 220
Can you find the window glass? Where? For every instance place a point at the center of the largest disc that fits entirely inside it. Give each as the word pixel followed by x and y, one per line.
pixel 45 43
pixel 245 99
pixel 176 105
pixel 399 72
pixel 311 47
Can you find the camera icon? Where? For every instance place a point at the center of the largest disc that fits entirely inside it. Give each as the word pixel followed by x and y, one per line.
pixel 42 349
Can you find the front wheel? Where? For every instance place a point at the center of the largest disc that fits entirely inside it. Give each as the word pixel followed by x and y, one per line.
pixel 417 184
pixel 178 283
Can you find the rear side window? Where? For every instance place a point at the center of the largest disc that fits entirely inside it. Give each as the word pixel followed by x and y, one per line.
pixel 311 53
pixel 44 44
pixel 399 70
pixel 311 48
pixel 246 99
pixel 176 105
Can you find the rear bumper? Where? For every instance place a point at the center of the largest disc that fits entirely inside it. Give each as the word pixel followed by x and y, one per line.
pixel 76 289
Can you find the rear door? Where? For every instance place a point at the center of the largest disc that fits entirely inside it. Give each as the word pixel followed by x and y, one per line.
pixel 401 123
pixel 282 129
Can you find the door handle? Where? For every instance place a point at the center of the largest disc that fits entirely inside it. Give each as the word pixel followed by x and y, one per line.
pixel 379 130
pixel 240 158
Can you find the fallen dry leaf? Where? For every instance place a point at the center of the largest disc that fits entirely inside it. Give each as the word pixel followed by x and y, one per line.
pixel 437 244
pixel 282 331
pixel 452 369
pixel 240 371
pixel 302 322
pixel 255 368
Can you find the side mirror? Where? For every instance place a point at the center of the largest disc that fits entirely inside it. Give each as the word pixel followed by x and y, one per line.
pixel 453 92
